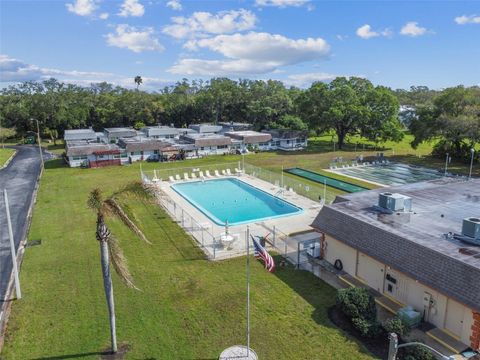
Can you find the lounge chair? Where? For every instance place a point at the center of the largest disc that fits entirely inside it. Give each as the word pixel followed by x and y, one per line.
pixel 177 177
pixel 171 178
pixel 194 176
pixel 224 172
pixel 217 173
pixel 229 173
pixel 207 173
pixel 200 174
pixel 185 176
pixel 238 171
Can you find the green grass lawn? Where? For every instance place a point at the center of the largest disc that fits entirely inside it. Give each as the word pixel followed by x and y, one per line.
pixel 188 307
pixel 5 154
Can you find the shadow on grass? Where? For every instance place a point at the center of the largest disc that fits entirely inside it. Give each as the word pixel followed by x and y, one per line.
pixel 55 164
pixel 316 292
pixel 72 356
pixel 324 146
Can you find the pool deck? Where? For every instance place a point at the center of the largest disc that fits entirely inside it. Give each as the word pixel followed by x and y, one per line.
pixel 286 224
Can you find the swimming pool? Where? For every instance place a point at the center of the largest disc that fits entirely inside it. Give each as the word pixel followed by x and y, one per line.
pixel 391 173
pixel 234 201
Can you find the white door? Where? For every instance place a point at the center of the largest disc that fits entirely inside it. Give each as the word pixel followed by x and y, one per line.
pixel 395 285
pixel 371 271
pixel 454 318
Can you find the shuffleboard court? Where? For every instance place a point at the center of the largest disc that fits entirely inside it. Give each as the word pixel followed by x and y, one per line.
pixel 322 179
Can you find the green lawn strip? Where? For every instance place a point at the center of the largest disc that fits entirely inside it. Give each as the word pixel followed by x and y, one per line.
pixel 5 154
pixel 187 308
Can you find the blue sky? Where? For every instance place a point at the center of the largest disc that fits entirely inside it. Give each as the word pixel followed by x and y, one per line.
pixel 393 43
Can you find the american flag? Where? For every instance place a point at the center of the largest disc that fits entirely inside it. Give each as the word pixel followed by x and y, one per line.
pixel 261 253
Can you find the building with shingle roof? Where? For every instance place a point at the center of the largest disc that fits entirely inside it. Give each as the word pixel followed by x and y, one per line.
pixel 424 254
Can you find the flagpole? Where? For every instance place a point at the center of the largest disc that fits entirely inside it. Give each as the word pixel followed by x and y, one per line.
pixel 248 291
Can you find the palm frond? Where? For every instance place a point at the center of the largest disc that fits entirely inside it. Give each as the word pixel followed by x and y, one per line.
pixel 119 262
pixel 138 189
pixel 95 200
pixel 116 209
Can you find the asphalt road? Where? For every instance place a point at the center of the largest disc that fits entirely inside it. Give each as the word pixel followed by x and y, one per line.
pixel 19 178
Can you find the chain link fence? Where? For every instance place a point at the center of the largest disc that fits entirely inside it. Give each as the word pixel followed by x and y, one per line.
pixel 288 183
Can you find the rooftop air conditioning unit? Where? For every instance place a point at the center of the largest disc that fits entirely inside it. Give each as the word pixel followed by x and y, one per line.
pixel 471 227
pixel 394 201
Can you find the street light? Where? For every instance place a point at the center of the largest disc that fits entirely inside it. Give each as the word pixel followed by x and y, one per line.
pixel 39 141
pixel 447 160
pixel 472 152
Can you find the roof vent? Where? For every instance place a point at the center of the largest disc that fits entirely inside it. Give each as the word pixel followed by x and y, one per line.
pixel 394 201
pixel 471 227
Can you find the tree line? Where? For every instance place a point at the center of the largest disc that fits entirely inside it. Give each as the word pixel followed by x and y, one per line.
pixel 346 106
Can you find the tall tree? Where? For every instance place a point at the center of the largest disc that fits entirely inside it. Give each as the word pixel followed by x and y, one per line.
pixel 352 106
pixel 453 118
pixel 110 251
pixel 138 80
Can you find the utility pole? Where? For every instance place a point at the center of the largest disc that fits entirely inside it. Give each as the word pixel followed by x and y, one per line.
pixel 39 143
pixel 472 152
pixel 447 159
pixel 12 247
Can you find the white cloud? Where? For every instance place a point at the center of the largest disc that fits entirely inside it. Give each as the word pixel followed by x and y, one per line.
pixel 467 19
pixel 14 70
pixel 305 79
pixel 175 5
pixel 82 7
pixel 203 23
pixel 412 29
pixel 131 8
pixel 366 32
pixel 136 40
pixel 252 53
pixel 104 16
pixel 281 3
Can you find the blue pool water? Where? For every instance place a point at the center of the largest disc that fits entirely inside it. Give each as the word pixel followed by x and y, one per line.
pixel 233 200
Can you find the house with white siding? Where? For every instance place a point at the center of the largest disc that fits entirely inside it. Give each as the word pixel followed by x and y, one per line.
pixel 141 148
pixel 206 128
pixel 83 153
pixel 205 144
pixel 112 135
pixel 287 140
pixel 416 245
pixel 243 140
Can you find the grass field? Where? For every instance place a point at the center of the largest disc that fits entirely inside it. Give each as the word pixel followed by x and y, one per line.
pixel 5 154
pixel 188 307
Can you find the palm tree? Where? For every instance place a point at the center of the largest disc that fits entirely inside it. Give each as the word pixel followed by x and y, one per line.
pixel 138 80
pixel 110 251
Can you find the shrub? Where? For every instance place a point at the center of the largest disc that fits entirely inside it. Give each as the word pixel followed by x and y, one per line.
pixel 357 303
pixel 396 325
pixel 416 353
pixel 366 327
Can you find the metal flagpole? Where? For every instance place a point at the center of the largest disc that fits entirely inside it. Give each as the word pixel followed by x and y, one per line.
pixel 248 291
pixel 12 247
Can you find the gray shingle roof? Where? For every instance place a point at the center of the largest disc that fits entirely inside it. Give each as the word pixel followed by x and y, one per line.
pixel 249 137
pixel 85 149
pixel 413 243
pixel 79 134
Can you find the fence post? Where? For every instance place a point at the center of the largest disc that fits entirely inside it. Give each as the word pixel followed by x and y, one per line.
pixel 274 236
pixel 298 255
pixel 214 248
